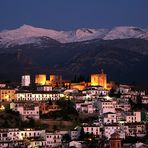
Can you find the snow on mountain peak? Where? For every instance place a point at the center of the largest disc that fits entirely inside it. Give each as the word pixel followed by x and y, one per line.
pixel 25 26
pixel 21 35
pixel 124 32
pixel 88 34
pixel 29 34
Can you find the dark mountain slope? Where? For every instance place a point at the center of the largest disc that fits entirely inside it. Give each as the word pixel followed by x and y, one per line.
pixel 123 60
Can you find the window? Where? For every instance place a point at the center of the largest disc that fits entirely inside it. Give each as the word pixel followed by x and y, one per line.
pixel 5 135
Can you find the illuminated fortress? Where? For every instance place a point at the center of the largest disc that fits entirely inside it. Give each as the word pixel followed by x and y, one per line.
pixel 40 79
pixel 99 79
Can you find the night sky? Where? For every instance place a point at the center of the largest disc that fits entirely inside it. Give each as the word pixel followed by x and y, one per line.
pixel 72 14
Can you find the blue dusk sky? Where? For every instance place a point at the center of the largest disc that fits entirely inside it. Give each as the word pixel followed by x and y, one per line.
pixel 73 14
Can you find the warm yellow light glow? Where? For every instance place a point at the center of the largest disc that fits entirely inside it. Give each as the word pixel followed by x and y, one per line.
pixel 7 94
pixel 99 80
pixel 94 80
pixel 40 79
pixel 2 107
pixel 62 95
pixel 78 86
pixel 108 98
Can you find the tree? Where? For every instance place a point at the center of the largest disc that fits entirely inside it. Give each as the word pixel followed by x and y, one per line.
pixel 55 128
pixel 112 92
pixel 118 95
pixel 6 124
pixel 82 134
pixel 131 103
pixel 66 138
pixel 139 101
pixel 89 137
pixel 31 122
pixel 49 102
pixel 7 108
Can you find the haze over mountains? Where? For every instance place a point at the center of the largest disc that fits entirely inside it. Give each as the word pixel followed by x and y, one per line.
pixel 121 51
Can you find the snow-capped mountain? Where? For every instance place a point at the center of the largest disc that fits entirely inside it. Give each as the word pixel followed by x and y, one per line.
pixel 27 34
pixel 125 32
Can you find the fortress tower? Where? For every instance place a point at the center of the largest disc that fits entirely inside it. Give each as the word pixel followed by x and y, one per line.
pixel 99 79
pixel 40 79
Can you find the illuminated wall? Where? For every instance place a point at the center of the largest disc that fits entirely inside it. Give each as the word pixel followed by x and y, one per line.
pixel 102 80
pixel 94 80
pixel 7 94
pixel 78 86
pixel 40 79
pixel 99 80
pixel 55 78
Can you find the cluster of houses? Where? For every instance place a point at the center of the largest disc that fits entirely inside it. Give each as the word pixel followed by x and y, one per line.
pixel 114 114
pixel 32 137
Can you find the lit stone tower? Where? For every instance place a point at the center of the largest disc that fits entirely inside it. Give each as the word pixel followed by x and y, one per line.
pixel 99 79
pixel 40 79
pixel 55 78
pixel 25 80
pixel 102 79
pixel 94 80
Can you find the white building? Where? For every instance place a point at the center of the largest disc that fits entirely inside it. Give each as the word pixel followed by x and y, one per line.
pixel 44 88
pixel 25 80
pixel 133 117
pixel 53 139
pixel 86 107
pixel 95 91
pixel 37 143
pixel 109 118
pixel 109 129
pixel 135 129
pixel 92 129
pixel 29 132
pixel 38 96
pixel 27 110
pixel 106 106
pixel 76 144
pixel 13 136
pixel 2 85
pixel 124 89
pixel 145 99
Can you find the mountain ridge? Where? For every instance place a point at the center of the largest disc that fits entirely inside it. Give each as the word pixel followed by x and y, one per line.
pixel 122 52
pixel 123 60
pixel 27 34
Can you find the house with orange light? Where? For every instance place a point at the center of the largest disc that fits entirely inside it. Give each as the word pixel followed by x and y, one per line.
pixel 7 94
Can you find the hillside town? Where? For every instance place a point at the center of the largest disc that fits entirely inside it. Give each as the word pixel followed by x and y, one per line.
pixel 51 112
